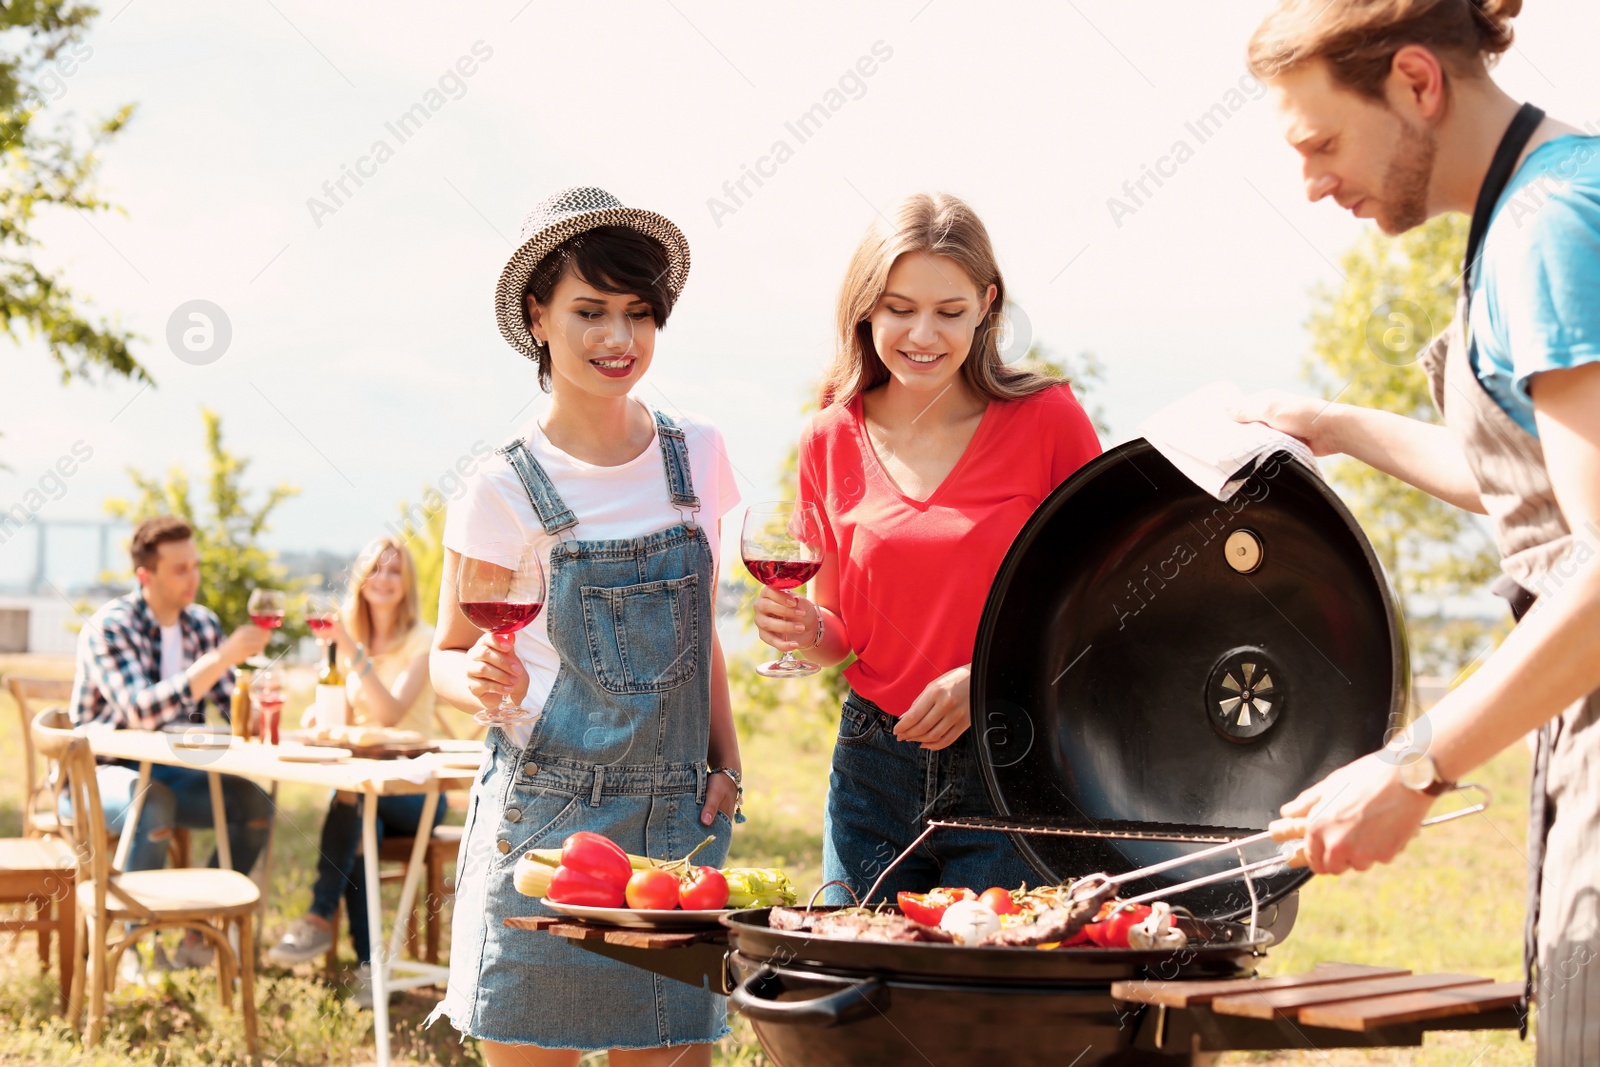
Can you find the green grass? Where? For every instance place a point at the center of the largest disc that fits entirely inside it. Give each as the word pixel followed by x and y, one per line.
pixel 1452 902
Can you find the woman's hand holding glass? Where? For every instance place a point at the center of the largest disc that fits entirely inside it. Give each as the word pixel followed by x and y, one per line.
pixel 785 621
pixel 495 673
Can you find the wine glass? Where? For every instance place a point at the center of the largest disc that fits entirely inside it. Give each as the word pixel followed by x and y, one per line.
pixel 266 608
pixel 782 546
pixel 500 589
pixel 321 609
pixel 268 697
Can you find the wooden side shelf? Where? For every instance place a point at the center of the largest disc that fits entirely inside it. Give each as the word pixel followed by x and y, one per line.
pixel 1335 996
pixel 574 930
pixel 1180 994
pixel 698 956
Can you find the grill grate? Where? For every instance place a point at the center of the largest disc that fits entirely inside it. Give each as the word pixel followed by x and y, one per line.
pixel 1105 828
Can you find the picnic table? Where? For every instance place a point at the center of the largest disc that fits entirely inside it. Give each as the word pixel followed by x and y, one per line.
pixel 372 778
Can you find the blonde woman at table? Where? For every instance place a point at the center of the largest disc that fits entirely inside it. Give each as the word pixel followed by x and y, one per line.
pixel 385 647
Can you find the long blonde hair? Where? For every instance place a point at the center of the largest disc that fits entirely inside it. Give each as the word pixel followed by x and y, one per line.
pixel 357 614
pixel 937 224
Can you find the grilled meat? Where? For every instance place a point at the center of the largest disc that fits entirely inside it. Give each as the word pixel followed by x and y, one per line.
pixel 853 925
pixel 792 918
pixel 1054 924
pixel 857 926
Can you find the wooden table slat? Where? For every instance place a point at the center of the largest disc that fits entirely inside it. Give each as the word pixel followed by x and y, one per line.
pixel 662 938
pixel 1184 994
pixel 1280 1002
pixel 1372 1012
pixel 615 935
pixel 577 931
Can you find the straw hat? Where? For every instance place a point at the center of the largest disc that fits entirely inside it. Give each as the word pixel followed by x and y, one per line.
pixel 554 220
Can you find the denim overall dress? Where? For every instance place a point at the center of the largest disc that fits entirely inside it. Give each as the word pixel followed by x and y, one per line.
pixel 619 749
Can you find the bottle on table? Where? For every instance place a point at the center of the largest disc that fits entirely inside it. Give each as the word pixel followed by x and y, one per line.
pixel 239 706
pixel 329 706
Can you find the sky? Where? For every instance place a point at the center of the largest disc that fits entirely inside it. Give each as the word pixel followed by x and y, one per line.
pixel 363 363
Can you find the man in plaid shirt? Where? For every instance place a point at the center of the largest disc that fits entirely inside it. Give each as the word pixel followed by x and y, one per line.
pixel 151 658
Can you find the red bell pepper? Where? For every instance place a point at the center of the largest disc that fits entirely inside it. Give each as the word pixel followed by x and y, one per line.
pixel 572 886
pixel 928 908
pixel 599 857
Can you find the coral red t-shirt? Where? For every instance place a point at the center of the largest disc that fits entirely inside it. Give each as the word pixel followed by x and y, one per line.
pixel 914 574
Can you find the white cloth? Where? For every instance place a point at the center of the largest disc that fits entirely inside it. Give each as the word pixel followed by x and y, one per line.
pixel 630 500
pixel 172 657
pixel 1200 437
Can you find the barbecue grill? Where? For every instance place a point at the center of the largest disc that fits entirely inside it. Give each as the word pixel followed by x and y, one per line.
pixel 1155 673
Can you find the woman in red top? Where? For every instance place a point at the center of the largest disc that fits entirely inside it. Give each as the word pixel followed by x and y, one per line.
pixel 928 456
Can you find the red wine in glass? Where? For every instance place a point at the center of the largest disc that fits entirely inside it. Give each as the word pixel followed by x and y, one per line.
pixel 782 546
pixel 319 624
pixel 500 617
pixel 267 620
pixel 783 573
pixel 500 589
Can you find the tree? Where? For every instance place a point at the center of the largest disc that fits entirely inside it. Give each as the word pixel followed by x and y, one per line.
pixel 232 561
pixel 425 539
pixel 41 168
pixel 1366 337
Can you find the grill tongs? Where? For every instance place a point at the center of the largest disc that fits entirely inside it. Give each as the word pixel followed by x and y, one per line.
pixel 1222 840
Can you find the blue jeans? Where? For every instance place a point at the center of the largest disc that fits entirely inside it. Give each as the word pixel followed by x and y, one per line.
pixel 339 871
pixel 181 796
pixel 880 795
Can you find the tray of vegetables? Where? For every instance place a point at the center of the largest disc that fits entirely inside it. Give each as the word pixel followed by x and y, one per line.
pixel 590 877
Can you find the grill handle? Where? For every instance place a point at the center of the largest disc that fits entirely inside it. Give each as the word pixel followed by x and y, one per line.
pixel 757 995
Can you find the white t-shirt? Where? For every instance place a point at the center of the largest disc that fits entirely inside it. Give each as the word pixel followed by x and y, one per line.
pixel 630 500
pixel 172 661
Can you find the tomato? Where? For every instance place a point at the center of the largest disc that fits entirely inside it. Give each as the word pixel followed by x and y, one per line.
pixel 704 889
pixel 653 889
pixel 1112 932
pixel 597 856
pixel 999 901
pixel 572 886
pixel 928 908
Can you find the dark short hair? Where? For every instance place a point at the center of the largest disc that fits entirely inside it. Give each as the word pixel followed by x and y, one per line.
pixel 613 259
pixel 151 534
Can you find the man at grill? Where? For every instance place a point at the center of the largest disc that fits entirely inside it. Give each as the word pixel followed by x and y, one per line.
pixel 1391 108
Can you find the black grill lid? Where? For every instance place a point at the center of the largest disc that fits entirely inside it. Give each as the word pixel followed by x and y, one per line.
pixel 1148 655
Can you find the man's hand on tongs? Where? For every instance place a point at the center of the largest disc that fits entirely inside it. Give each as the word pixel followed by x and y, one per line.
pixel 1357 816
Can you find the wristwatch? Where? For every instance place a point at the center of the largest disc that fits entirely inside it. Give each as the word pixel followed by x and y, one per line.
pixel 1422 775
pixel 738 785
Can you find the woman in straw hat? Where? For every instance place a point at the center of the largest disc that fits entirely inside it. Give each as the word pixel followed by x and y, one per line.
pixel 631 733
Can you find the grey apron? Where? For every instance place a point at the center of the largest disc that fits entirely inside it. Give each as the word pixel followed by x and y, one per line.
pixel 1562 937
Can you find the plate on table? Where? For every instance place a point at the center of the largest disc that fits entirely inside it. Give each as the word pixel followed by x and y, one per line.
pixel 640 918
pixel 312 754
pixel 366 742
pixel 195 735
